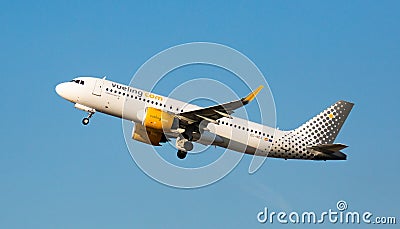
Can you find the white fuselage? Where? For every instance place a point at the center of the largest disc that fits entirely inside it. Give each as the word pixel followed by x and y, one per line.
pixel 130 103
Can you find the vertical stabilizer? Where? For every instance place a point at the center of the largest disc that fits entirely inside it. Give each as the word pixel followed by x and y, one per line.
pixel 323 128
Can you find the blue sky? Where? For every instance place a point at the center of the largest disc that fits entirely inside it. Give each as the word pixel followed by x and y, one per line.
pixel 55 173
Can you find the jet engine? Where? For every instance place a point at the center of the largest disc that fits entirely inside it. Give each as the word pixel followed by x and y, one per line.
pixel 154 123
pixel 157 119
pixel 148 136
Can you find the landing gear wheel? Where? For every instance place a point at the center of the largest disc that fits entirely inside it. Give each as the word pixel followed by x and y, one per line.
pixel 181 154
pixel 85 121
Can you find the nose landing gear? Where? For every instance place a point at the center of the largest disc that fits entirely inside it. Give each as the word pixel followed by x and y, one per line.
pixel 89 110
pixel 85 121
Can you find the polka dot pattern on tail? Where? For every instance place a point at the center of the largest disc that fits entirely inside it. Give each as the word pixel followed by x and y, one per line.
pixel 322 129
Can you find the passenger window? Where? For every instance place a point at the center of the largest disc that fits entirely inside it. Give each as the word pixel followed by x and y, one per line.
pixel 82 82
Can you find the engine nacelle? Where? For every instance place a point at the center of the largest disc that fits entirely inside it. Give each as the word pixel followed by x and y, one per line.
pixel 140 133
pixel 207 138
pixel 158 120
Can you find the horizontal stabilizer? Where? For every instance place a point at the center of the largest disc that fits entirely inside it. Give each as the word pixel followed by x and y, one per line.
pixel 328 148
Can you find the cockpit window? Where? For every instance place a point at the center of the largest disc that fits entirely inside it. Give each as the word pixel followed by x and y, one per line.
pixel 78 81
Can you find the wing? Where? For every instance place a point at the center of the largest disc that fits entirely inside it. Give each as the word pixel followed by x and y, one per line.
pixel 213 113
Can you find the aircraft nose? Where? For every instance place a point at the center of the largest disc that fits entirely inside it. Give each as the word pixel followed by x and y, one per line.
pixel 61 90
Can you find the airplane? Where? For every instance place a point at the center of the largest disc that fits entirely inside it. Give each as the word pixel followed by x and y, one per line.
pixel 159 119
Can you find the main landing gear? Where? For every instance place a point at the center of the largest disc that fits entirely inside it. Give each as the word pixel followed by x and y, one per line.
pixel 85 121
pixel 184 143
pixel 181 154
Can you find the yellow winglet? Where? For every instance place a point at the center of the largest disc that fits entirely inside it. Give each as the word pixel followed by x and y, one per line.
pixel 253 94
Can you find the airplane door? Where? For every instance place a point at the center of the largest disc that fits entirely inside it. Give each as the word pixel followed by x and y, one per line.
pixel 98 87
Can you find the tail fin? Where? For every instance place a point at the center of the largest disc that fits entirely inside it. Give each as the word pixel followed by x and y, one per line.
pixel 323 128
